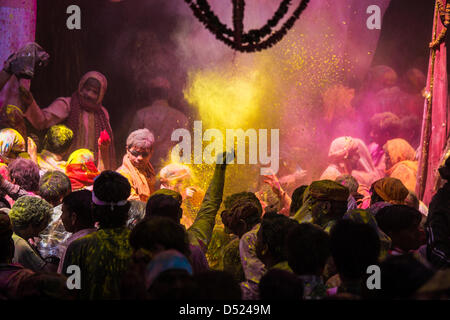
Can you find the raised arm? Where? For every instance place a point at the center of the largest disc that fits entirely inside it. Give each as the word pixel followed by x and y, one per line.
pixel 285 199
pixel 42 119
pixel 11 189
pixel 201 230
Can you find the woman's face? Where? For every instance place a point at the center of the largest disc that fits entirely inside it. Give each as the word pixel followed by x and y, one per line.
pixel 387 161
pixel 90 91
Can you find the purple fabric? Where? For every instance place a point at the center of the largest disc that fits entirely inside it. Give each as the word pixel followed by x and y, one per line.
pixel 198 259
pixel 378 206
pixel 17 28
pixel 439 118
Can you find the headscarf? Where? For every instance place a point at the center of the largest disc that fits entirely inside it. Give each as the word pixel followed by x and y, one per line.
pixel 404 167
pixel 101 120
pixel 81 169
pixel 163 261
pixel 391 190
pixel 341 147
pixel 12 116
pixel 399 150
pixel 10 141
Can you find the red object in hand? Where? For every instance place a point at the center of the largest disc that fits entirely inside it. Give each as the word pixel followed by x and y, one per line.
pixel 104 138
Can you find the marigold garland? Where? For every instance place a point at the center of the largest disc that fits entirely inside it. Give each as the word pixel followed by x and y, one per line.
pixel 255 39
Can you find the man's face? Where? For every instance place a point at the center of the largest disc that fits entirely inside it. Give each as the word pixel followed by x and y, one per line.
pixel 36 230
pixel 66 218
pixel 90 92
pixel 139 157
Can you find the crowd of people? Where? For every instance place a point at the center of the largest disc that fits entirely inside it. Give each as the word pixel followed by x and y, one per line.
pixel 137 231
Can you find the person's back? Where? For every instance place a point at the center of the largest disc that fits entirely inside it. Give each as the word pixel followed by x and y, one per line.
pixel 438 228
pixel 282 285
pixel 354 246
pixel 103 256
pixel 308 249
pixel 11 275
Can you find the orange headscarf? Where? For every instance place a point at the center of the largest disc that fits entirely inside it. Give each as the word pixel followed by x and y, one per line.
pixel 391 190
pixel 404 167
pixel 81 169
pixel 399 150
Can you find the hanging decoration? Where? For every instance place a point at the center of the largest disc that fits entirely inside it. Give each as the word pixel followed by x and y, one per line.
pixel 435 123
pixel 253 40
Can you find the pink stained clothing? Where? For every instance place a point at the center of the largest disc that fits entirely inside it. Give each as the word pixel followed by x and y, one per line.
pixel 63 246
pixel 57 113
pixel 86 119
pixel 253 268
pixel 365 171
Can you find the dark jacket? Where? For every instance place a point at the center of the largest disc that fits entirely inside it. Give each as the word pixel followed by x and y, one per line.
pixel 438 229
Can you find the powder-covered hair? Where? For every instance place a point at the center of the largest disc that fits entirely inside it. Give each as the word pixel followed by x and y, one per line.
pixel 348 181
pixel 29 210
pixel 53 186
pixel 58 139
pixel 141 138
pixel 25 173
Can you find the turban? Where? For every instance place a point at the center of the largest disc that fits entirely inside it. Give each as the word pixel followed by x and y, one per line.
pixel 391 190
pixel 327 190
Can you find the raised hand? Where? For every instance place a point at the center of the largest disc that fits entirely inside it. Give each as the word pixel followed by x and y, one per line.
pixel 274 183
pixel 104 140
pixel 32 149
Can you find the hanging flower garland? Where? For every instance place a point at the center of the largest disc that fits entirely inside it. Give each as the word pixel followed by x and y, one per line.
pixel 444 14
pixel 255 39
